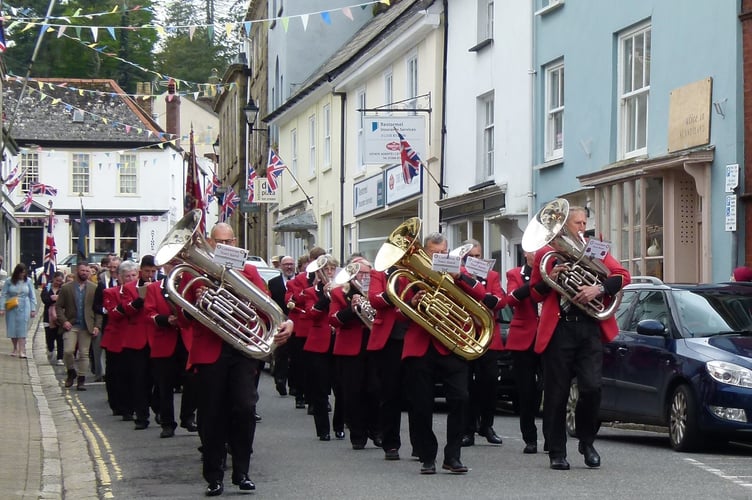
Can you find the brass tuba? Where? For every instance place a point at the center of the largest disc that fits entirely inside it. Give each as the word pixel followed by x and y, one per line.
pixel 461 323
pixel 317 267
pixel 348 274
pixel 230 305
pixel 548 227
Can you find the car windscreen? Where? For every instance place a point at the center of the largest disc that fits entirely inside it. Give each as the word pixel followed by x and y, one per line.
pixel 704 313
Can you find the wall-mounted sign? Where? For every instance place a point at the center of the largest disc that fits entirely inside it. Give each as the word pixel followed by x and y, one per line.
pixel 261 192
pixel 381 142
pixel 368 194
pixel 396 189
pixel 689 115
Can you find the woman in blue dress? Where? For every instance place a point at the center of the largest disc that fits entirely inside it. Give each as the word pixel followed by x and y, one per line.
pixel 17 318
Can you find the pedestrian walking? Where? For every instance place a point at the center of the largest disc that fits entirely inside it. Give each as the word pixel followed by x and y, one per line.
pixel 18 303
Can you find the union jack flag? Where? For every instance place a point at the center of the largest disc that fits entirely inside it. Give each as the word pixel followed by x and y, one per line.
pixel 28 199
pixel 410 159
pixel 249 183
pixel 211 188
pixel 13 179
pixel 274 169
pixel 43 189
pixel 50 253
pixel 229 203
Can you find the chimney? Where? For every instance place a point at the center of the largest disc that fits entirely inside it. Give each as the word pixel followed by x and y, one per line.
pixel 172 105
pixel 144 98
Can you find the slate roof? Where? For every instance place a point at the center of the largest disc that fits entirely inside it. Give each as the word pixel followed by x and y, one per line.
pixel 108 116
pixel 358 46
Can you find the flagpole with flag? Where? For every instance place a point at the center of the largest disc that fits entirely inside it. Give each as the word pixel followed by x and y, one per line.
pixel 411 163
pixel 193 194
pixel 50 254
pixel 83 235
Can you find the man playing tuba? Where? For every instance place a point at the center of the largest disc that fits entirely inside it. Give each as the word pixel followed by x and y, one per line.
pixel 571 345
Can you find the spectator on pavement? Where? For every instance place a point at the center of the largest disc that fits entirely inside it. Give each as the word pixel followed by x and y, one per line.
pixel 17 303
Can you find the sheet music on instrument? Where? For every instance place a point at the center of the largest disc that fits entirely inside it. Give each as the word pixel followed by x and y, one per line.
pixel 445 263
pixel 230 256
pixel 479 267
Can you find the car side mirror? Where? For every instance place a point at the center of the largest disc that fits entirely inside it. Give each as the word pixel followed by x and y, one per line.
pixel 651 327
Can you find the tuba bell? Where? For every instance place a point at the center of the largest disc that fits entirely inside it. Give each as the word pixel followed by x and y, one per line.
pixel 229 304
pixel 548 227
pixel 461 323
pixel 348 274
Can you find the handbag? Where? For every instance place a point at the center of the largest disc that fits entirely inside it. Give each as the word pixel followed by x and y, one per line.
pixel 11 303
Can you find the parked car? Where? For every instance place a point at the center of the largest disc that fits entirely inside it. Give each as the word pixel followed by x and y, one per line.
pixel 69 261
pixel 682 360
pixel 268 272
pixel 257 261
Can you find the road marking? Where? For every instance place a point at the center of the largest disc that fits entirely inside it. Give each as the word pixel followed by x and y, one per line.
pixel 738 480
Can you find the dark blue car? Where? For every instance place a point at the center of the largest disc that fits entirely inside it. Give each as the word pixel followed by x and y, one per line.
pixel 682 360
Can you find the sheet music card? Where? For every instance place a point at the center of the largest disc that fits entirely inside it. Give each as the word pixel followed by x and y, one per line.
pixel 479 267
pixel 597 249
pixel 230 256
pixel 443 262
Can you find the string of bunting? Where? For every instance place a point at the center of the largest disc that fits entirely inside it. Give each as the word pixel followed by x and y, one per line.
pixel 325 15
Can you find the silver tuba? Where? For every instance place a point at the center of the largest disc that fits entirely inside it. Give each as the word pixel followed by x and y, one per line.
pixel 229 305
pixel 348 274
pixel 548 227
pixel 317 267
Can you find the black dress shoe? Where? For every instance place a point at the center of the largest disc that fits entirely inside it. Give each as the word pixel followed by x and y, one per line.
pixel 257 417
pixel 530 448
pixel 281 388
pixel 325 437
pixel 339 434
pixel 391 454
pixel 167 432
pixel 127 417
pixel 214 489
pixel 491 436
pixel 467 440
pixel 358 445
pixel 299 404
pixel 310 410
pixel 559 464
pixel 454 466
pixel 141 425
pixel 428 467
pixel 377 442
pixel 189 426
pixel 592 458
pixel 244 483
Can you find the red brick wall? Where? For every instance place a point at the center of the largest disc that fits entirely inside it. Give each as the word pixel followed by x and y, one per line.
pixel 746 21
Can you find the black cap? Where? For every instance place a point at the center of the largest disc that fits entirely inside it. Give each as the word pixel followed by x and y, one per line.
pixel 148 260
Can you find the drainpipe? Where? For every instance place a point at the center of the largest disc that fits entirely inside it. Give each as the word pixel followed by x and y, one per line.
pixel 444 101
pixel 343 101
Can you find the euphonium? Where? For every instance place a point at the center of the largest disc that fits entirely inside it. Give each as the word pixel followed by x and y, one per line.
pixel 548 227
pixel 317 267
pixel 348 274
pixel 458 321
pixel 229 304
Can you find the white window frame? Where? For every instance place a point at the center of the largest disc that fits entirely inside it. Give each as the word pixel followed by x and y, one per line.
pixel 326 232
pixel 80 174
pixel 312 146
pixel 411 81
pixel 486 142
pixel 485 20
pixel 327 117
pixel 361 100
pixel 633 127
pixel 388 87
pixel 294 159
pixel 554 119
pixel 29 168
pixel 127 178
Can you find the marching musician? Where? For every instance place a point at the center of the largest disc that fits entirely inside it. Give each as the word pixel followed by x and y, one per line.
pixel 227 393
pixel 116 379
pixel 135 341
pixel 317 353
pixel 526 364
pixel 361 410
pixel 570 343
pixel 278 290
pixel 483 371
pixel 385 344
pixel 424 356
pixel 169 344
pixel 297 313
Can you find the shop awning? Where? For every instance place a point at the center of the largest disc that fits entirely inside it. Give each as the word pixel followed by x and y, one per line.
pixel 299 222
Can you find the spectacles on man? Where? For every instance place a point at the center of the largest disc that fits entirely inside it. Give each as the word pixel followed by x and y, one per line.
pixel 225 242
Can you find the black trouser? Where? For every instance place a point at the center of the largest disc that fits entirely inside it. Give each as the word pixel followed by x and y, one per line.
pixel 139 381
pixel 361 403
pixel 52 336
pixel 482 380
pixel 297 373
pixel 227 400
pixel 526 368
pixel 575 350
pixel 420 374
pixel 282 364
pixel 168 374
pixel 115 382
pixel 321 380
pixel 387 364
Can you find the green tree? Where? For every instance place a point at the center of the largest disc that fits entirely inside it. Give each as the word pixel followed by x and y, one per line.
pixel 66 57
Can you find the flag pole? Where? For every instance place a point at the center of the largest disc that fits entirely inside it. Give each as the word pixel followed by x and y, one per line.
pixel 441 186
pixel 308 198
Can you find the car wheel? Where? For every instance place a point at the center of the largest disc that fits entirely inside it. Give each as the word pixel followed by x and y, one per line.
pixel 683 430
pixel 574 395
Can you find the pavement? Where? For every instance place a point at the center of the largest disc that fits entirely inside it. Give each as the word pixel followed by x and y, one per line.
pixel 43 451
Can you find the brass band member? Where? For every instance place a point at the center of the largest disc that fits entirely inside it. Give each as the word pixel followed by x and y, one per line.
pixel 570 342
